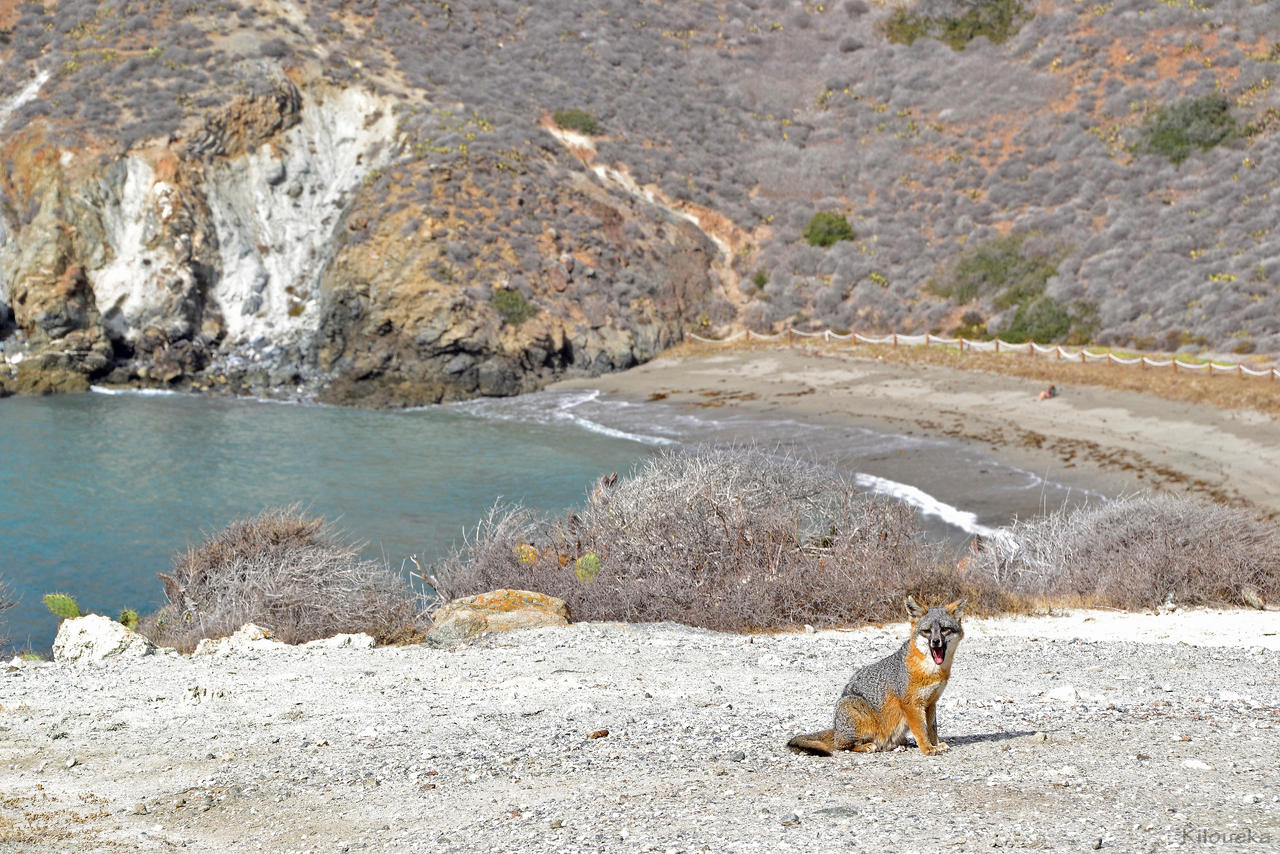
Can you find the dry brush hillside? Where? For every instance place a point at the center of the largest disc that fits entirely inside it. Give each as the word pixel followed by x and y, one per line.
pixel 374 199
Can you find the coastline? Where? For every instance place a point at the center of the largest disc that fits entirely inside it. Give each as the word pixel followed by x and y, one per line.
pixel 1092 438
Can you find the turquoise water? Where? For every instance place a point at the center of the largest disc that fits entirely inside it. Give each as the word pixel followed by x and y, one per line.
pixel 98 491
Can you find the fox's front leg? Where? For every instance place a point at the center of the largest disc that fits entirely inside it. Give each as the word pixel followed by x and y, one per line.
pixel 931 719
pixel 920 729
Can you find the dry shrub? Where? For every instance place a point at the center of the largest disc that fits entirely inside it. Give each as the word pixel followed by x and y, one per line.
pixel 7 601
pixel 1141 551
pixel 284 571
pixel 727 538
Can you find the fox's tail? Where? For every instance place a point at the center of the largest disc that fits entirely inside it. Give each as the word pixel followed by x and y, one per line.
pixel 817 743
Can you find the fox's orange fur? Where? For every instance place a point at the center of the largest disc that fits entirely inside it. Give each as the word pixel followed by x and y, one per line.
pixel 896 694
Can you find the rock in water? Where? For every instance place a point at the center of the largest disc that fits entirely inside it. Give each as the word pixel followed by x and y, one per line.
pixel 496 611
pixel 97 638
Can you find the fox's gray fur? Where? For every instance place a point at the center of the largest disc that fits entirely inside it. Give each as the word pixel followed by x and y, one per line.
pixel 898 693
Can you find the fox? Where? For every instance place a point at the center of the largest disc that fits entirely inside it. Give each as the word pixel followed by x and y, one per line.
pixel 897 693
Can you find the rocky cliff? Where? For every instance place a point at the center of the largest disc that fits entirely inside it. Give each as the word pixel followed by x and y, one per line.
pixel 393 205
pixel 271 248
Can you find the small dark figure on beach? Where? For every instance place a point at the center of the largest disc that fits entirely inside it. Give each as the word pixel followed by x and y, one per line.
pixel 1051 391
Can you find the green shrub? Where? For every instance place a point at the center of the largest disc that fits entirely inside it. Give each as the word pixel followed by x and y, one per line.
pixel 587 567
pixel 972 325
pixel 826 229
pixel 1043 320
pixel 1002 271
pixel 760 278
pixel 995 19
pixel 998 269
pixel 579 120
pixel 1178 129
pixel 62 606
pixel 512 305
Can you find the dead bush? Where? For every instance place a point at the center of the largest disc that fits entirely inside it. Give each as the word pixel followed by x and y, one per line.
pixel 284 571
pixel 722 537
pixel 1141 551
pixel 7 601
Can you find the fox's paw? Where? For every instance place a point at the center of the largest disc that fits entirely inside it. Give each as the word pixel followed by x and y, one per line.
pixel 931 749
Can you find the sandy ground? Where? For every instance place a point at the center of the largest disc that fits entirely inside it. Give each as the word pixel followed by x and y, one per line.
pixel 1094 437
pixel 1088 730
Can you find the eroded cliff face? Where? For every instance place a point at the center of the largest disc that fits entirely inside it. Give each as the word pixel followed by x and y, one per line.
pixel 266 250
pixel 407 309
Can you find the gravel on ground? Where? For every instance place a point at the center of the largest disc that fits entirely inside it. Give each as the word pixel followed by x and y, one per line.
pixel 1125 732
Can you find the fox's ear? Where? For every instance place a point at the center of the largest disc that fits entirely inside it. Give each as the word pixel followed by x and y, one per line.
pixel 913 608
pixel 956 609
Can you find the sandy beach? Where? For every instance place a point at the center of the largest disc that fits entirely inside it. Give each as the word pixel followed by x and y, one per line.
pixel 1095 438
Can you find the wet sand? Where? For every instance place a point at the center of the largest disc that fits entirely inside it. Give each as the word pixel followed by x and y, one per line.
pixel 1093 438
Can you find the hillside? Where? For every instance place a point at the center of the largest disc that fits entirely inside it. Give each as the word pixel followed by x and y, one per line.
pixel 392 204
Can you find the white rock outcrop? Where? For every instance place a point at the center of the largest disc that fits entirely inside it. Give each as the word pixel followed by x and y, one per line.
pixel 247 638
pixel 344 641
pixel 96 638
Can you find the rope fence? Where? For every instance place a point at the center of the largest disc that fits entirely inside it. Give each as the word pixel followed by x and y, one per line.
pixel 997 345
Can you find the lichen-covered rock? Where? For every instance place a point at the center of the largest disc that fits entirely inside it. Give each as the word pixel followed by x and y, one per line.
pixel 95 638
pixel 496 611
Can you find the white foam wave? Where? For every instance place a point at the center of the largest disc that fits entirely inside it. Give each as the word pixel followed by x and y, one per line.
pixel 137 392
pixel 927 504
pixel 551 408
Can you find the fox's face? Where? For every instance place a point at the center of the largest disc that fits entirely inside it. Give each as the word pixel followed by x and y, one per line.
pixel 936 631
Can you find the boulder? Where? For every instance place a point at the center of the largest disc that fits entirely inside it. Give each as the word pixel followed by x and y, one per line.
pixel 247 638
pixel 96 638
pixel 496 611
pixel 345 641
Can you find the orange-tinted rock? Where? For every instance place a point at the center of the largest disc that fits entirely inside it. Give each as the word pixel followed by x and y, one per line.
pixel 497 611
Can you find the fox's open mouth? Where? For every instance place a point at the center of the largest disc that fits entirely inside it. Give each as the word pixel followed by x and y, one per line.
pixel 939 653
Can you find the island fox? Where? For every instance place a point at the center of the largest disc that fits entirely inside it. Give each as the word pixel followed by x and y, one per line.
pixel 899 692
